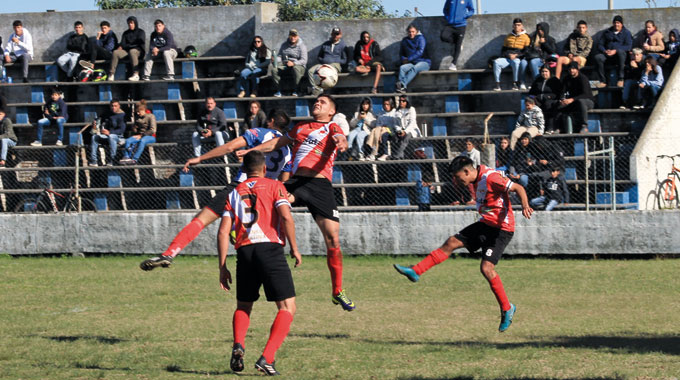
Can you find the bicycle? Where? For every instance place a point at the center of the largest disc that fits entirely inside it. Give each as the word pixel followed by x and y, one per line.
pixel 46 202
pixel 667 195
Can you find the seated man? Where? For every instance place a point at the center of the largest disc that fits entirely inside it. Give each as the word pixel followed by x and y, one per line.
pixel 8 138
pixel 211 123
pixel 613 47
pixel 76 45
pixel 398 139
pixel 553 191
pixel 578 47
pixel 54 112
pixel 161 45
pixel 143 133
pixel 293 55
pixel 577 98
pixel 19 48
pixel 632 74
pixel 413 57
pixel 112 129
pixel 514 46
pixel 531 121
pixel 103 45
pixel 132 45
pixel 367 57
pixel 332 53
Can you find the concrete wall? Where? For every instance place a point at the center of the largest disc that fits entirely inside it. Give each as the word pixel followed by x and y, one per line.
pixel 559 232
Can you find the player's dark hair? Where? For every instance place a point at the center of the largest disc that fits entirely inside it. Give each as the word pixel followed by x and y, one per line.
pixel 104 23
pixel 280 118
pixel 332 100
pixel 17 23
pixel 253 161
pixel 459 163
pixel 77 23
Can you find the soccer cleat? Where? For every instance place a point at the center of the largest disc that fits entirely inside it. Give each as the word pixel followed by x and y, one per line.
pixel 154 262
pixel 237 354
pixel 506 318
pixel 408 272
pixel 268 368
pixel 342 300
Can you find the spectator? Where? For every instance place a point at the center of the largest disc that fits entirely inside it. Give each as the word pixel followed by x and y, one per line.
pixel 111 130
pixel 143 133
pixel 332 53
pixel 514 46
pixel 387 121
pixel 361 124
pixel 503 154
pixel 523 160
pixel 530 121
pixel 367 57
pixel 413 57
pixel 613 47
pixel 407 116
pixel 650 84
pixel 7 137
pixel 161 45
pixel 471 152
pixel 541 48
pixel 103 46
pixel 54 112
pixel 576 98
pixel 546 90
pixel 552 191
pixel 255 118
pixel 632 75
pixel 19 48
pixel 131 44
pixel 76 45
pixel 670 55
pixel 577 49
pixel 456 14
pixel 651 41
pixel 398 139
pixel 257 62
pixel 211 124
pixel 293 55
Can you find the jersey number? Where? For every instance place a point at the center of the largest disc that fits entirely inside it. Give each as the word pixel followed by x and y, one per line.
pixel 250 210
pixel 275 158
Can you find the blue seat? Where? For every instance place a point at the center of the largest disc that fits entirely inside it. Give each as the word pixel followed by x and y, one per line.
pixel 413 173
pixel 390 84
pixel 301 108
pixel 105 93
pixel 594 124
pixel 464 82
pixel 59 157
pixel 337 174
pixel 606 198
pixel 452 104
pixel 188 70
pixel 37 94
pixel 229 109
pixel 158 111
pixel 22 115
pixel 401 196
pixel 174 92
pixel 439 127
pixel 377 106
pixel 51 73
pixel 570 174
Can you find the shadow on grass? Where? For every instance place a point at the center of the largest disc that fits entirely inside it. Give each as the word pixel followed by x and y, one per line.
pixel 178 369
pixel 516 378
pixel 669 345
pixel 73 338
pixel 94 366
pixel 320 336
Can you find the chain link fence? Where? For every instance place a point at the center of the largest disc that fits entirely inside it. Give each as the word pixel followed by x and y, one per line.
pixel 595 168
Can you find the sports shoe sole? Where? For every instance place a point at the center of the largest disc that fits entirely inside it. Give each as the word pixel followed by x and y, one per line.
pixel 236 362
pixel 150 264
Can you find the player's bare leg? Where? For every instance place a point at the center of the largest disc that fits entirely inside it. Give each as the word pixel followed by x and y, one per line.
pixel 330 230
pixel 488 270
pixel 240 323
pixel 204 218
pixel 435 257
pixel 277 335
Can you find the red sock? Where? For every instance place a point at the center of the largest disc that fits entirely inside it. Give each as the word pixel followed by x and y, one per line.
pixel 334 261
pixel 278 333
pixel 184 237
pixel 499 292
pixel 240 325
pixel 435 257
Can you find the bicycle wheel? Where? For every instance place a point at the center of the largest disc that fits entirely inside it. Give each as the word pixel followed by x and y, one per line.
pixel 667 195
pixel 86 205
pixel 31 206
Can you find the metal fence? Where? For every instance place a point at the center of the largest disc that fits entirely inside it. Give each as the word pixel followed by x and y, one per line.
pixel 594 166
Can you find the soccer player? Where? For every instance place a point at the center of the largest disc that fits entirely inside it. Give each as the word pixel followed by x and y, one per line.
pixel 277 162
pixel 259 211
pixel 315 145
pixel 492 232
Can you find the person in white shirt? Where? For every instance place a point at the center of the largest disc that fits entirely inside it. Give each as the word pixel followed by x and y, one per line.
pixel 20 47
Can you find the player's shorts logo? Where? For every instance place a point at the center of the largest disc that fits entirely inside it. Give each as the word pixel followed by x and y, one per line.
pixel 489 252
pixel 336 213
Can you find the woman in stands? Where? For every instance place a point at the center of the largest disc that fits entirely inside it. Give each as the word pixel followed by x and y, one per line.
pixel 407 116
pixel 541 48
pixel 652 40
pixel 650 84
pixel 361 124
pixel 257 62
pixel 255 118
pixel 367 57
pixel 143 133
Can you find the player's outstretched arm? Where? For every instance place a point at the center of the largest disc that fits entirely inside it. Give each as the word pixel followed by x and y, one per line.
pixel 222 249
pixel 526 209
pixel 340 142
pixel 289 229
pixel 219 151
pixel 268 146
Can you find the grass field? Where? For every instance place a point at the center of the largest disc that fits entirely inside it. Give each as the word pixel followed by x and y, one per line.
pixel 102 317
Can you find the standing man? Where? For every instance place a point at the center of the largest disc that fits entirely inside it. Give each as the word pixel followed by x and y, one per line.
pixel 613 47
pixel 258 211
pixel 111 130
pixel 491 233
pixel 131 44
pixel 20 48
pixel 161 45
pixel 76 45
pixel 332 53
pixel 315 146
pixel 293 54
pixel 211 123
pixel 105 42
pixel 456 13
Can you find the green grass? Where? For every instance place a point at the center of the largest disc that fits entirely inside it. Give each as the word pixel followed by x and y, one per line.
pixel 68 318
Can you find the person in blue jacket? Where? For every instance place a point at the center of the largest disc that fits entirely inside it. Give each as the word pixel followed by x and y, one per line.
pixel 456 13
pixel 413 57
pixel 613 46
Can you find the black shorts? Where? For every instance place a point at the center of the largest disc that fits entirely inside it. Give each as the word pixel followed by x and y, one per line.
pixel 315 193
pixel 263 264
pixel 491 240
pixel 217 203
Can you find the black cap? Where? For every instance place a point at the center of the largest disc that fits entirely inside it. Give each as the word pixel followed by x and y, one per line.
pixel 336 30
pixel 617 18
pixel 573 65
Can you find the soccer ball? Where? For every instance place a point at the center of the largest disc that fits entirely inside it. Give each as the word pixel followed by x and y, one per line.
pixel 325 76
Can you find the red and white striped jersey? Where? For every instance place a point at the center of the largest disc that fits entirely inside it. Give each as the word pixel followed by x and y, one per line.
pixel 493 200
pixel 314 146
pixel 253 208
